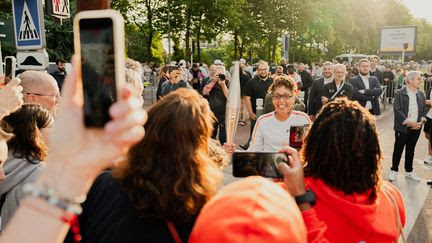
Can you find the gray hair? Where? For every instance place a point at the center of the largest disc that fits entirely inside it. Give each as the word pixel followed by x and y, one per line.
pixel 411 75
pixel 339 66
pixel 220 68
pixel 261 62
pixel 328 64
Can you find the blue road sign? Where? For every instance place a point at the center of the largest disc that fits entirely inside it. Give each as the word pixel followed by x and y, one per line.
pixel 29 24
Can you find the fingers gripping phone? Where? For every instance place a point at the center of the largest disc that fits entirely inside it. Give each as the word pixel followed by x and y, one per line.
pixel 257 163
pixel 99 45
pixel 10 67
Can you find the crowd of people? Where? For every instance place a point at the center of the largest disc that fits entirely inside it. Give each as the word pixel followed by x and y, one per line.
pixel 156 175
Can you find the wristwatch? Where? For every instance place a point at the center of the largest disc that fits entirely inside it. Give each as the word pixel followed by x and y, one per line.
pixel 308 197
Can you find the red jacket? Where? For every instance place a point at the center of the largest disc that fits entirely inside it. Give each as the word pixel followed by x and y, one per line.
pixel 355 218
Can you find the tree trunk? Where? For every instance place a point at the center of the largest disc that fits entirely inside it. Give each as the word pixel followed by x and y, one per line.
pixel 149 39
pixel 187 36
pixel 269 51
pixel 198 45
pixel 83 5
pixel 241 49
pixel 236 41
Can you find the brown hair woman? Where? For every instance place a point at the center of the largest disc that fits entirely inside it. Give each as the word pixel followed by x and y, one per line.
pixel 156 195
pixel 27 149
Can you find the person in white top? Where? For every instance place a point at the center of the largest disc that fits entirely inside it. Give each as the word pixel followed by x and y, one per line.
pixel 410 115
pixel 272 131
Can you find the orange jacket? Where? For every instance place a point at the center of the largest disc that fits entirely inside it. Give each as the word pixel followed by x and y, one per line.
pixel 253 210
pixel 355 218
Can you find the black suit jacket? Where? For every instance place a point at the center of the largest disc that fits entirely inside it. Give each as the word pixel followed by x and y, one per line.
pixel 378 74
pixel 316 92
pixel 330 89
pixel 372 94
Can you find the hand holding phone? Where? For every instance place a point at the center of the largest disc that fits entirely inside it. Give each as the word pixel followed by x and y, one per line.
pixel 292 172
pixel 99 46
pixel 257 163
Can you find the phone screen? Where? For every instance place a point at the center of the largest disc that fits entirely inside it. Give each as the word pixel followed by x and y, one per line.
pixel 297 133
pixel 8 69
pixel 257 163
pixel 98 69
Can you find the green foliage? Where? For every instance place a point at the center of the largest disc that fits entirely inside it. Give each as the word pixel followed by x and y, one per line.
pixel 250 29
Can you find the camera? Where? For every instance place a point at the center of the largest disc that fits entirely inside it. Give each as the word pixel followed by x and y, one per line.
pixel 221 77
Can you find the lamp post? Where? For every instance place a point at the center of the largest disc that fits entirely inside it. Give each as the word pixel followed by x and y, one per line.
pixel 1 57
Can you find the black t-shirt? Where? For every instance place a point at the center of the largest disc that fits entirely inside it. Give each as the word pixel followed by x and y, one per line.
pixel 257 88
pixel 217 99
pixel 244 78
pixel 109 216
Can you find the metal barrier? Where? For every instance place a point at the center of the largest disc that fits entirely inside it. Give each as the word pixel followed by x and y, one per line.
pixel 150 87
pixel 388 92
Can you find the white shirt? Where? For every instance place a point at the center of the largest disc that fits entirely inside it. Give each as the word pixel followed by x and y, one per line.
pixel 365 80
pixel 412 107
pixel 328 80
pixel 271 135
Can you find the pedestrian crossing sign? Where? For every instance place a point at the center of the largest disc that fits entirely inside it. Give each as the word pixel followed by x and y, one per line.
pixel 61 8
pixel 28 24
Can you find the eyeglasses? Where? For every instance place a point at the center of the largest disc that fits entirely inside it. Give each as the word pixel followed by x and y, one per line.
pixel 56 96
pixel 285 97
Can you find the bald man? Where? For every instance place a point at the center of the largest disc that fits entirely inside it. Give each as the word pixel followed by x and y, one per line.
pixel 40 88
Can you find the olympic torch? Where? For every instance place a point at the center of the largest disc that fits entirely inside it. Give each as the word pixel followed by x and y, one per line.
pixel 233 105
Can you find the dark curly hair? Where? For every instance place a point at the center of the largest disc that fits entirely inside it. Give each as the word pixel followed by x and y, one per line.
pixel 26 124
pixel 169 174
pixel 342 148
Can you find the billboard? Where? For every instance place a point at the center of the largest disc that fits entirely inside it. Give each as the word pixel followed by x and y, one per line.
pixel 395 38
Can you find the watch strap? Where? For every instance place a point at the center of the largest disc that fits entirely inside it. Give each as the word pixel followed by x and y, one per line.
pixel 308 197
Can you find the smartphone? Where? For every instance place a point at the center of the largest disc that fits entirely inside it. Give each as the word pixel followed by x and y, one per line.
pixel 10 68
pixel 99 44
pixel 257 163
pixel 297 134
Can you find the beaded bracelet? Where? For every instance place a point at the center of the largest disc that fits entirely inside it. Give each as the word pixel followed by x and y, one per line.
pixel 51 198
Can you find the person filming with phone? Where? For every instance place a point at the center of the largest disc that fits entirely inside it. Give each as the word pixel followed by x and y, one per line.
pixel 215 90
pixel 175 82
pixel 345 187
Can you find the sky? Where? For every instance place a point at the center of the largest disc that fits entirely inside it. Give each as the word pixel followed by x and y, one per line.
pixel 420 8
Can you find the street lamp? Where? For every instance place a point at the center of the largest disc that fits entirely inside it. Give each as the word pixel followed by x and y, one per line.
pixel 1 57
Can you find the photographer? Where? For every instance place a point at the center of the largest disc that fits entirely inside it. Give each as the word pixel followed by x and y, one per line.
pixel 215 90
pixel 176 81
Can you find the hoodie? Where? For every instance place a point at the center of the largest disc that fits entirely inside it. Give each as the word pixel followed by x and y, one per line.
pixel 250 210
pixel 356 218
pixel 18 172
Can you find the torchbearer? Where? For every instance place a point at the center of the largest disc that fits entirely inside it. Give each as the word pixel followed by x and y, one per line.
pixel 233 105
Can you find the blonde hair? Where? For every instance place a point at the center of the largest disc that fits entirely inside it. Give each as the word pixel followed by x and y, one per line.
pixel 134 73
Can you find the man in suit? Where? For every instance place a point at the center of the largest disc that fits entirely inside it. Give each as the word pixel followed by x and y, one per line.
pixel 374 71
pixel 337 88
pixel 316 90
pixel 366 88
pixel 307 81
